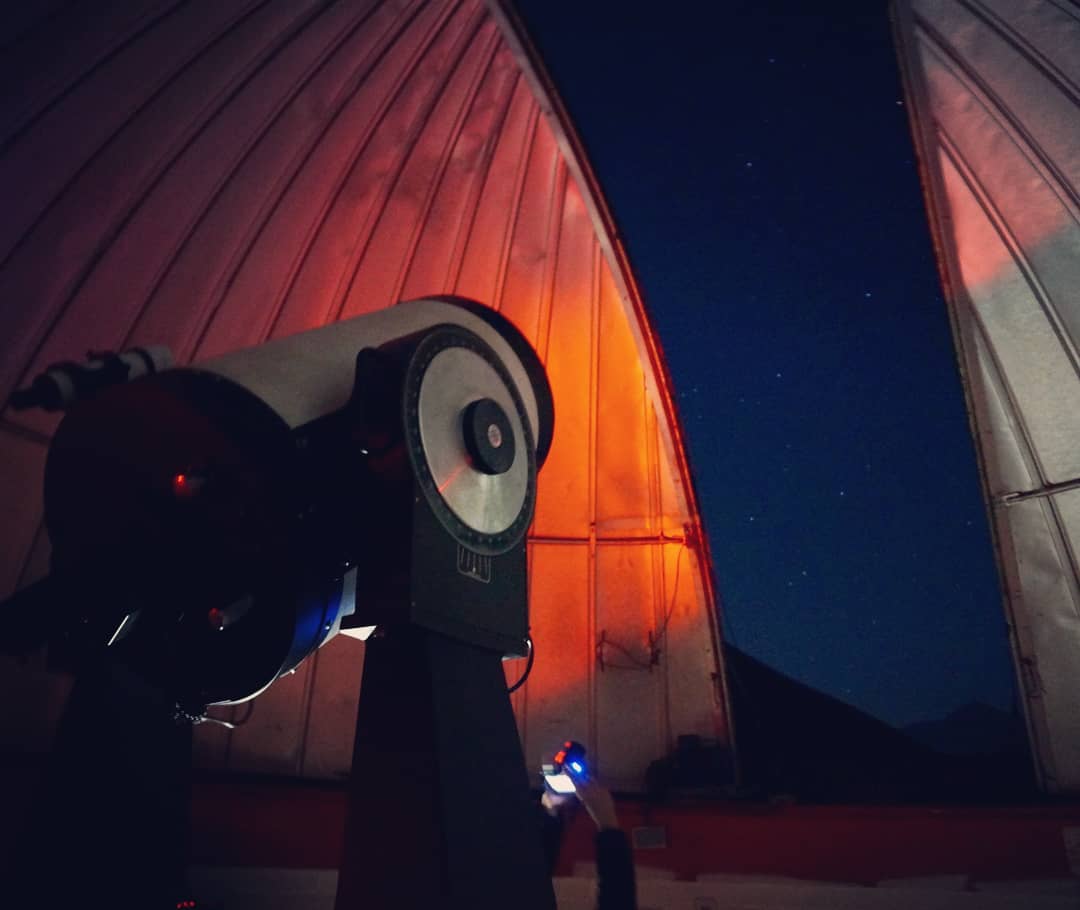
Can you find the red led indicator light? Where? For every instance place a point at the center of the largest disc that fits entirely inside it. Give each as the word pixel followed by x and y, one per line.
pixel 186 484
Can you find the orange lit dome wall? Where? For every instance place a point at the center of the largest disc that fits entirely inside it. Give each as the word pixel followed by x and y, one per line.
pixel 209 176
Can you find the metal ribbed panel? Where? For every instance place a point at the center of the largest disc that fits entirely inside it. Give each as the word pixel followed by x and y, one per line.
pixel 994 88
pixel 209 177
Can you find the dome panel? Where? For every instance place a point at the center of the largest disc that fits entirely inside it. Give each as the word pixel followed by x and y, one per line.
pixel 993 92
pixel 212 181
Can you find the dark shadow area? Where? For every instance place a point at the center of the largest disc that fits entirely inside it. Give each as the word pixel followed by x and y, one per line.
pixel 798 742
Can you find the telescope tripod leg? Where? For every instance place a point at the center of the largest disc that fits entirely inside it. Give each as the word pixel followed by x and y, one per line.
pixel 439 811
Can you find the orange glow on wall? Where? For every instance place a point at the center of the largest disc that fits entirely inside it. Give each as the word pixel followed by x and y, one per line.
pixel 256 170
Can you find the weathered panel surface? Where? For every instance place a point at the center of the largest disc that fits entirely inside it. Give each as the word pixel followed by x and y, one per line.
pixel 994 92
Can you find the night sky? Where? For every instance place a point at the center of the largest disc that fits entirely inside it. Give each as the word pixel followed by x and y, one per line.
pixel 759 163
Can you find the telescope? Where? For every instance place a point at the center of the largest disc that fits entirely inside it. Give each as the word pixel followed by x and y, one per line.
pixel 214 525
pixel 241 512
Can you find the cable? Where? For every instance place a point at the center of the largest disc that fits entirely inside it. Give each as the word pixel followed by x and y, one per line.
pixel 655 640
pixel 249 709
pixel 634 659
pixel 674 596
pixel 528 666
pixel 636 663
pixel 205 718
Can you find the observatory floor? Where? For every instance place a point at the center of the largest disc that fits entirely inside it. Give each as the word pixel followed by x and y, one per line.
pixel 313 889
pixel 696 857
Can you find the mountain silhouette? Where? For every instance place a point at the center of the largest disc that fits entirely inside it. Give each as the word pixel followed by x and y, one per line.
pixel 794 740
pixel 972 729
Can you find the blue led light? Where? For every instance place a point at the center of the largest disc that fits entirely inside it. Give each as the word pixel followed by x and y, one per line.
pixel 576 766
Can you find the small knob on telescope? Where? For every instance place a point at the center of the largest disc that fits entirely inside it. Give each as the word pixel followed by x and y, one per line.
pixel 489 437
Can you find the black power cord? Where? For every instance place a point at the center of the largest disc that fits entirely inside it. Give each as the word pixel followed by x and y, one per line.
pixel 528 666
